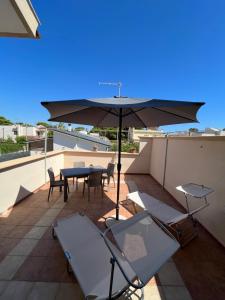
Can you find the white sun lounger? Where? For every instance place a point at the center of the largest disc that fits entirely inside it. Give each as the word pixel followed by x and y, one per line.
pixel 163 212
pixel 105 271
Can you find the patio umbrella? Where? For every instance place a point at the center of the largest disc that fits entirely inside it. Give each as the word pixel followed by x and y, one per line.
pixel 123 112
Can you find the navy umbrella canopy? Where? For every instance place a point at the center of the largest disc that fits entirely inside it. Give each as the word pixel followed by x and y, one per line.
pixel 136 112
pixel 123 112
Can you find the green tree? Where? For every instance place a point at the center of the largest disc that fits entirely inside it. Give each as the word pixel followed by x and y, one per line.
pixel 45 124
pixel 79 128
pixel 193 129
pixel 9 146
pixel 4 121
pixel 126 147
pixel 20 139
pixel 110 132
pixel 61 126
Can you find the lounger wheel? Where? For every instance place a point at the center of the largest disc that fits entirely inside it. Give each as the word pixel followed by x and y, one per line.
pixel 68 267
pixel 195 222
pixel 179 234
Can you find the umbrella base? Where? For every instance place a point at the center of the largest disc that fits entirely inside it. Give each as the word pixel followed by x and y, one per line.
pixel 110 221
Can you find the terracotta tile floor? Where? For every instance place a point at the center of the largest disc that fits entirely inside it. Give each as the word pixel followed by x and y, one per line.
pixel 201 263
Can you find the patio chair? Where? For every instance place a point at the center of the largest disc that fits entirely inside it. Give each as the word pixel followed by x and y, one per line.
pixel 94 180
pixel 54 183
pixel 105 270
pixel 78 164
pixel 166 214
pixel 109 174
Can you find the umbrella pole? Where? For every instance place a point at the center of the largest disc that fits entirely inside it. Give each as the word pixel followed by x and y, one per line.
pixel 119 164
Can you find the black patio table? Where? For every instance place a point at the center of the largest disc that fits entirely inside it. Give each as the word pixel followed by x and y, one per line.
pixel 77 172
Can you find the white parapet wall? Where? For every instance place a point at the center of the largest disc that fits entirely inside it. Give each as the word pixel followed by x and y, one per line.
pixel 194 159
pixel 20 177
pixel 132 163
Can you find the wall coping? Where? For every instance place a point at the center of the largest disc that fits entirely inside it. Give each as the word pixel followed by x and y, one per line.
pixel 201 138
pixel 15 163
pixel 99 153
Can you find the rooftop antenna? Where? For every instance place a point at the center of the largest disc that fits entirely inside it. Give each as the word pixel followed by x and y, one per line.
pixel 118 84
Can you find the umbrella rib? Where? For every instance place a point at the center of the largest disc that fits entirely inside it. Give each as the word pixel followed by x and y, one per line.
pixel 106 112
pixel 177 115
pixel 134 112
pixel 110 111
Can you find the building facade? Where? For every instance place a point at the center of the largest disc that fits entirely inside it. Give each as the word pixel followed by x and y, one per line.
pixel 12 131
pixel 78 141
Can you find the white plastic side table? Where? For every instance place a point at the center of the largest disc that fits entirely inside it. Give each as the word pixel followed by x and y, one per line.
pixel 196 191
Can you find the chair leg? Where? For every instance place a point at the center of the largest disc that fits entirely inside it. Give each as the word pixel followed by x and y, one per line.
pixel 49 191
pixel 73 180
pixel 83 188
pixel 88 194
pixel 76 183
pixel 114 181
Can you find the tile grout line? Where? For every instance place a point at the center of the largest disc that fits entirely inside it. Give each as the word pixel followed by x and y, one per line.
pixel 16 257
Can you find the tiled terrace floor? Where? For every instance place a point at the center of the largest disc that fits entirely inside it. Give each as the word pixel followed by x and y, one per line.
pixel 32 264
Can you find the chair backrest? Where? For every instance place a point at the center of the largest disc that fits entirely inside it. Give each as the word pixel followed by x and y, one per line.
pixel 110 169
pixel 51 175
pixel 79 164
pixel 95 179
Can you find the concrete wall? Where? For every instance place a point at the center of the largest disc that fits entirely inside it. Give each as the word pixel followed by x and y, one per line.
pixel 131 162
pixel 158 158
pixel 20 177
pixel 7 131
pixel 68 142
pixel 200 160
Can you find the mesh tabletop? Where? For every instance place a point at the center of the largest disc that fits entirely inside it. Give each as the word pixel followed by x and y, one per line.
pixel 195 190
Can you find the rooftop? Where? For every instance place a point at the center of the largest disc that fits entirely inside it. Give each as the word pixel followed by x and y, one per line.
pixel 32 263
pixel 76 134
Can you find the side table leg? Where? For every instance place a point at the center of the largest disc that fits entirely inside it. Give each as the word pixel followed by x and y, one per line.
pixel 60 179
pixel 187 203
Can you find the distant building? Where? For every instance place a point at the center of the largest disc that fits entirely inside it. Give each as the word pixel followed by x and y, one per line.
pixel 196 133
pixel 12 131
pixel 135 134
pixel 78 141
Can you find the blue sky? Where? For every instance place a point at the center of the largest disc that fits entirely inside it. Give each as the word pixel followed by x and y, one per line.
pixel 157 48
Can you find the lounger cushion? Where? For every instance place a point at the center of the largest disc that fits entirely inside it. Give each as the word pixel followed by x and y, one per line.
pixel 145 244
pixel 89 257
pixel 163 212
